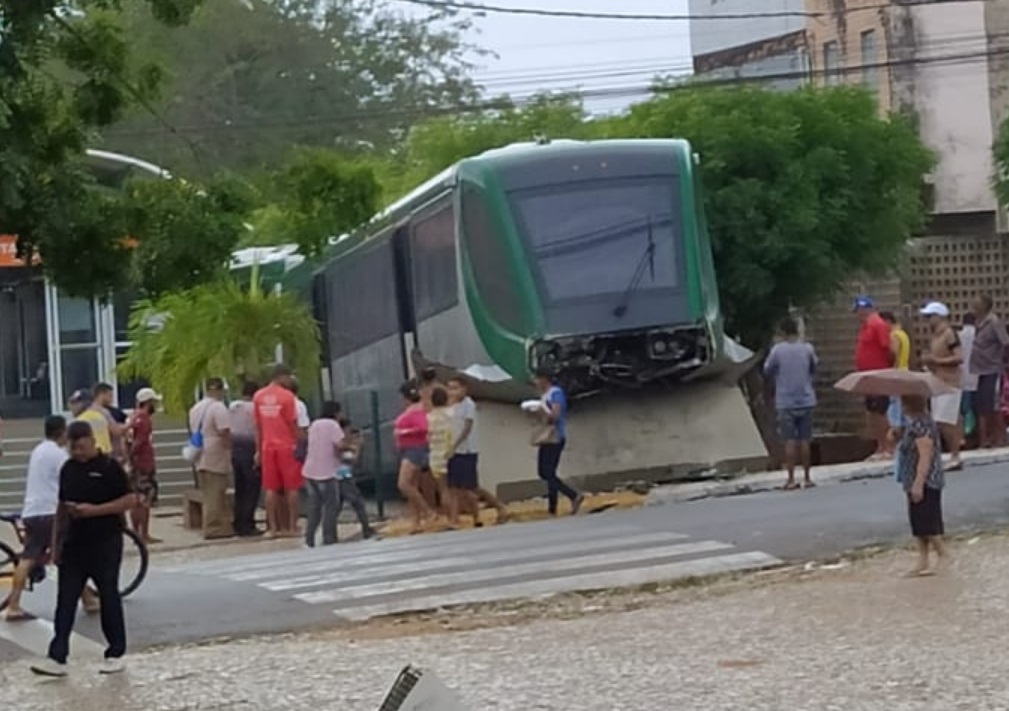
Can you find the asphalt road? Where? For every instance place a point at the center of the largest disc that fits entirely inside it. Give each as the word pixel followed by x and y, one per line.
pixel 298 590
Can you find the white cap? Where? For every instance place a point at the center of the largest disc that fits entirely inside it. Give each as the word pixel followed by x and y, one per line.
pixel 147 395
pixel 935 308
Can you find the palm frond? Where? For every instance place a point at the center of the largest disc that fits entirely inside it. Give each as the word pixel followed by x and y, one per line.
pixel 219 329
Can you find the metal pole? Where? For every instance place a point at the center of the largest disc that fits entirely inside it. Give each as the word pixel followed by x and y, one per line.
pixel 376 440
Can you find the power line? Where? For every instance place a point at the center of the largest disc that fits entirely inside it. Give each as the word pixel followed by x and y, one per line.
pixel 578 14
pixel 654 65
pixel 612 92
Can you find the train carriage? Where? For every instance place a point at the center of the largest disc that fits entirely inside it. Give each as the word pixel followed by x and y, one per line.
pixel 590 258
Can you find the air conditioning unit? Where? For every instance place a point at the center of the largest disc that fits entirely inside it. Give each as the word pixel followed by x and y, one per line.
pixel 418 690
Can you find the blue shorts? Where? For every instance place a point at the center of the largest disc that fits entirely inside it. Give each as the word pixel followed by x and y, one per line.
pixel 795 424
pixel 417 456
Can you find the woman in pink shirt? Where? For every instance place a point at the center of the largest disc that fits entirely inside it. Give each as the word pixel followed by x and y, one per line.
pixel 411 441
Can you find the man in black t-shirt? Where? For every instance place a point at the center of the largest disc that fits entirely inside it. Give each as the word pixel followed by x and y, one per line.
pixel 94 495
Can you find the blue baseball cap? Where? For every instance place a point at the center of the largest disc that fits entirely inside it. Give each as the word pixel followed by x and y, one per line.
pixel 863 302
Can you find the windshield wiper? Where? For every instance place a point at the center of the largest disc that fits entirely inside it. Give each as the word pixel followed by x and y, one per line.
pixel 647 260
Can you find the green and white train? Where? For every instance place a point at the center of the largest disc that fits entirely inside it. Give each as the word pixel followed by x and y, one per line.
pixel 590 258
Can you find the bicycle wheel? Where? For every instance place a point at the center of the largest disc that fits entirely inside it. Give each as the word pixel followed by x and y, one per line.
pixel 135 562
pixel 8 562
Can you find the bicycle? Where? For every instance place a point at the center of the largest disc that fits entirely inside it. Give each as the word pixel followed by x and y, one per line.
pixel 136 558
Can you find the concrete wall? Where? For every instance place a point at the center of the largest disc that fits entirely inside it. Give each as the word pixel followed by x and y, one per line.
pixel 657 435
pixel 790 64
pixel 948 88
pixel 707 36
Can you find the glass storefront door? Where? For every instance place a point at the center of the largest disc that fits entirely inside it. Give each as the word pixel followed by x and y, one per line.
pixel 24 363
pixel 81 345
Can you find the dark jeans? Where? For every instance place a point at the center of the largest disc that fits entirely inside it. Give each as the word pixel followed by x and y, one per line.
pixel 323 507
pixel 248 486
pixel 349 492
pixel 98 561
pixel 548 459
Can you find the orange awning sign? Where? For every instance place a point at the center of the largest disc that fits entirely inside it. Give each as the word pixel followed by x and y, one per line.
pixel 9 252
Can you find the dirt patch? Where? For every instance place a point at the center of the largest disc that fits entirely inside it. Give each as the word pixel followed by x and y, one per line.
pixel 531 510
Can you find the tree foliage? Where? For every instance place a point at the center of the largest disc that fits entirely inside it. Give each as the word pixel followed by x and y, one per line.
pixel 218 329
pixel 802 189
pixel 183 234
pixel 1001 158
pixel 63 76
pixel 250 78
pixel 320 194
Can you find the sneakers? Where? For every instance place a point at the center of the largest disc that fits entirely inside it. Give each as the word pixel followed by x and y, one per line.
pixel 50 668
pixel 112 666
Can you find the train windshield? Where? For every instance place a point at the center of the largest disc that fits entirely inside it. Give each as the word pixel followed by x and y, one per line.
pixel 599 239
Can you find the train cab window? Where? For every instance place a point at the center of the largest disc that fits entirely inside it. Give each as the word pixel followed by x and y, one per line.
pixel 433 266
pixel 489 259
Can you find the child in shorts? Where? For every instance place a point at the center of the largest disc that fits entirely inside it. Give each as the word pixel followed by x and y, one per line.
pixel 347 487
pixel 440 442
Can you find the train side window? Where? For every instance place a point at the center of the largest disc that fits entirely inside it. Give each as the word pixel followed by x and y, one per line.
pixel 432 258
pixel 361 307
pixel 489 260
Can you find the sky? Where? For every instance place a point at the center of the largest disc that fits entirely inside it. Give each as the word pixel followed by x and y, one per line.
pixel 612 58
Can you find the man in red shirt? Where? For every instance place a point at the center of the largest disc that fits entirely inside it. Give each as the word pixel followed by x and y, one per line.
pixel 143 479
pixel 277 433
pixel 873 351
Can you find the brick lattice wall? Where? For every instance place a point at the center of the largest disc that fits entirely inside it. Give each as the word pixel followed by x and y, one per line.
pixel 951 269
pixel 833 331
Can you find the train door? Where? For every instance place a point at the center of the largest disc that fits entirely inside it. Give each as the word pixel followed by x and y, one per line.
pixel 404 296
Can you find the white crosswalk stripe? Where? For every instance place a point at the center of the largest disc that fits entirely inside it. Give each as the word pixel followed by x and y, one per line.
pixel 368 579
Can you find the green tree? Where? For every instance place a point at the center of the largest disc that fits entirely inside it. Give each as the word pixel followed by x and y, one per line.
pixel 63 76
pixel 184 234
pixel 803 190
pixel 436 144
pixel 219 329
pixel 1000 152
pixel 250 78
pixel 319 194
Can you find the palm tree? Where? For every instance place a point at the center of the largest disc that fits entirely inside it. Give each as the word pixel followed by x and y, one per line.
pixel 220 329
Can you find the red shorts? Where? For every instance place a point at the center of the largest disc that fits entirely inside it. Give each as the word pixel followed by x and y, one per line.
pixel 281 470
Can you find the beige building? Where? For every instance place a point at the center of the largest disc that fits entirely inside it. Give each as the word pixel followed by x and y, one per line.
pixel 944 63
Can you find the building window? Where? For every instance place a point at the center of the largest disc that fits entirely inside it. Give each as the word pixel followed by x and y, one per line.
pixel 870 60
pixel 831 63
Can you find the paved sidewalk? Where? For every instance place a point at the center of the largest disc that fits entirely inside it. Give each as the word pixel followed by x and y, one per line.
pixel 767 481
pixel 856 637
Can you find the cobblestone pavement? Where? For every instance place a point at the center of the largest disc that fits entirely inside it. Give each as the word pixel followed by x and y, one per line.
pixel 854 637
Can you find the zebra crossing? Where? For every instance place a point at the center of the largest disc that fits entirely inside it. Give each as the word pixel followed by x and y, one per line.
pixel 363 580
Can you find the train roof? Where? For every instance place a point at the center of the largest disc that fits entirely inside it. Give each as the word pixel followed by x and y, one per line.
pixel 505 155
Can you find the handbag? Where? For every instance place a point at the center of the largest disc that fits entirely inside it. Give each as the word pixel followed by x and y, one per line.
pixel 194 447
pixel 544 433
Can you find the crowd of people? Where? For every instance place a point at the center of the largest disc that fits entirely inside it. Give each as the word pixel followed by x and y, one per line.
pixel 970 362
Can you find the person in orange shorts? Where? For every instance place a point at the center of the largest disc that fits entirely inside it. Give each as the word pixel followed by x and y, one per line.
pixel 277 435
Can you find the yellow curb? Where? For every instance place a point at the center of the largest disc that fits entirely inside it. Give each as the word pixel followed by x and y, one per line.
pixel 523 511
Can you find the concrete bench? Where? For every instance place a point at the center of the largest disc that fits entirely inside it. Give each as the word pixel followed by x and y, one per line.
pixel 192 508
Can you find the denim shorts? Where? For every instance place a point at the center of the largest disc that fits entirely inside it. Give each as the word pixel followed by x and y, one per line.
pixel 795 424
pixel 417 456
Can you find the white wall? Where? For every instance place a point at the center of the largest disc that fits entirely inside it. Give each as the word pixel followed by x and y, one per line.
pixel 708 36
pixel 952 102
